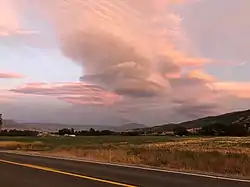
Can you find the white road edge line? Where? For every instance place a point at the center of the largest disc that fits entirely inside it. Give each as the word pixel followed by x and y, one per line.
pixel 130 166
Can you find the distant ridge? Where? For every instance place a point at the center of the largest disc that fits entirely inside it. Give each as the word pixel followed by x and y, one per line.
pixel 50 127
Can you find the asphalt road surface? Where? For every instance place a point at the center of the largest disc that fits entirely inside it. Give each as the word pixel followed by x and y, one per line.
pixel 31 171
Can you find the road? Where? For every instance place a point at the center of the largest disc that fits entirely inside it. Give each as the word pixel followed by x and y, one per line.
pixel 29 171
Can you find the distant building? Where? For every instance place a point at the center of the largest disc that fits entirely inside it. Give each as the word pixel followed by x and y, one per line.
pixel 46 134
pixel 194 130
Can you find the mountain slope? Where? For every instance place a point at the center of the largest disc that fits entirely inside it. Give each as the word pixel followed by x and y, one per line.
pixel 228 118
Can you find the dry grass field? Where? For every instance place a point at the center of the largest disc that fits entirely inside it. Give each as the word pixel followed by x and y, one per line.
pixel 222 155
pixel 14 145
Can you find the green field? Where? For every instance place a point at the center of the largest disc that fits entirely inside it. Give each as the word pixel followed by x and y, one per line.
pixel 91 140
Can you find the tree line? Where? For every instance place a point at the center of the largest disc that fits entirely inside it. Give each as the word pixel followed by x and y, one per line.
pixel 216 129
pixel 93 132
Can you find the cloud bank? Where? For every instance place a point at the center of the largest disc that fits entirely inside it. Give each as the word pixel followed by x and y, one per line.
pixel 76 93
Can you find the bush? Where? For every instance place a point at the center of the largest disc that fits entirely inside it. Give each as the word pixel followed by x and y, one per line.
pixel 180 131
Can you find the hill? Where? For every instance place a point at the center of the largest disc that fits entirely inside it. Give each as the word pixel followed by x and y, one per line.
pixel 238 117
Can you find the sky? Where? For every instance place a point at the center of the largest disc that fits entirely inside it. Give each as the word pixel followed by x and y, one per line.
pixel 110 62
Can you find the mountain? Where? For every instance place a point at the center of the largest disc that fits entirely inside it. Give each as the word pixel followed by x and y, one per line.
pixel 9 123
pixel 51 127
pixel 238 117
pixel 131 126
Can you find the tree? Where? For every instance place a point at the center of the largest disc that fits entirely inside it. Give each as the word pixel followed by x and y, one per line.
pixel 72 131
pixel 15 132
pixel 92 132
pixel 1 121
pixel 64 131
pixel 238 130
pixel 180 131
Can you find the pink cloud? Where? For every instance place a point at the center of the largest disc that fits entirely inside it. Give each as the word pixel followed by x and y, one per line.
pixel 16 32
pixel 9 97
pixel 129 47
pixel 199 74
pixel 5 99
pixel 10 76
pixel 8 18
pixel 238 89
pixel 76 93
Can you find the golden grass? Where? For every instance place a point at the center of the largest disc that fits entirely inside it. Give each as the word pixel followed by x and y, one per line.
pixel 218 144
pixel 14 145
pixel 229 156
